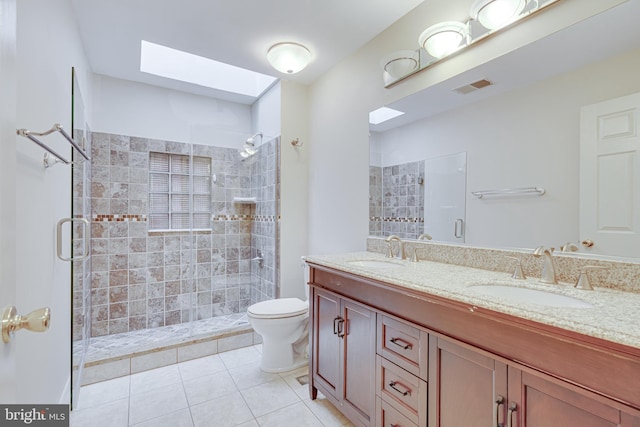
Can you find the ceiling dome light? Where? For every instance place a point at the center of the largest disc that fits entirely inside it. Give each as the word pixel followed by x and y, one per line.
pixel 288 57
pixel 494 14
pixel 441 39
pixel 401 63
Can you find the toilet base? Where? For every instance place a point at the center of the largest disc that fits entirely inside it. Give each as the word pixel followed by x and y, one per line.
pixel 276 359
pixel 299 362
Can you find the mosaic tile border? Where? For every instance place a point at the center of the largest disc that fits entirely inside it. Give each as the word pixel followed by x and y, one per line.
pixel 118 218
pixel 143 218
pixel 395 219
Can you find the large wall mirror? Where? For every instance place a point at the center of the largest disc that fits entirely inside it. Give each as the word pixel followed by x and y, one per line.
pixel 522 131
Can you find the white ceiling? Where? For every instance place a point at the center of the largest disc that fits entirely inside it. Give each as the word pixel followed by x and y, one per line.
pixel 237 32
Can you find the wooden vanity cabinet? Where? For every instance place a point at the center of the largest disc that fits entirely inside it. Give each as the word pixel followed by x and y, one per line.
pixel 482 368
pixel 470 387
pixel 343 353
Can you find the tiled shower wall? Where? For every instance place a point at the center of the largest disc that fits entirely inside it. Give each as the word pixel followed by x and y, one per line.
pixel 143 279
pixel 396 200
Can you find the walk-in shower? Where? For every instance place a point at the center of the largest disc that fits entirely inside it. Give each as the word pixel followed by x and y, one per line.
pixel 183 239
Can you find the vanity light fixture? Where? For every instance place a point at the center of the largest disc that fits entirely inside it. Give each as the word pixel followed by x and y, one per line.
pixel 494 14
pixel 401 63
pixel 437 42
pixel 288 57
pixel 444 38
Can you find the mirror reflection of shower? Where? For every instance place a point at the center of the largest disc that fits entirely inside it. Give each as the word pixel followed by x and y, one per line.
pixel 249 148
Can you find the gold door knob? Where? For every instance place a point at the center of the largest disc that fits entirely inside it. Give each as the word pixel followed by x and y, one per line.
pixel 36 321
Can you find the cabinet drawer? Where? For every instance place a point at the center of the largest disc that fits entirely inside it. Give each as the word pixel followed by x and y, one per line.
pixel 404 391
pixel 404 345
pixel 388 416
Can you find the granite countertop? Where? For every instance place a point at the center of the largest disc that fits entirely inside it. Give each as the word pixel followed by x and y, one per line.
pixel 614 315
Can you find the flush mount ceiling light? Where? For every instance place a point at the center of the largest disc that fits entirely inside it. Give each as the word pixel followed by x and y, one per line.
pixel 288 57
pixel 442 39
pixel 494 14
pixel 399 64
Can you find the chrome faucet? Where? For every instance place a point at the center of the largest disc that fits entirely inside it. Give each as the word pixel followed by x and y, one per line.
pixel 390 241
pixel 548 269
pixel 424 236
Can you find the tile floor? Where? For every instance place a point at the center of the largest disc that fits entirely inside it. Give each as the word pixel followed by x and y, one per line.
pixel 225 389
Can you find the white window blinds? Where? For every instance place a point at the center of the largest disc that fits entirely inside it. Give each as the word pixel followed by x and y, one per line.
pixel 179 192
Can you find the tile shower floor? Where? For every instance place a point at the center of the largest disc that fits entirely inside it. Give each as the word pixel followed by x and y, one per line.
pixel 128 343
pixel 225 389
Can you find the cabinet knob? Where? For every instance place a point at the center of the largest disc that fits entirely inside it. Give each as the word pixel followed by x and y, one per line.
pixel 36 321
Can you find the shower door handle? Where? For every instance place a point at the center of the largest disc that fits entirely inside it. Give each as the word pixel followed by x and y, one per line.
pixel 458 229
pixel 87 238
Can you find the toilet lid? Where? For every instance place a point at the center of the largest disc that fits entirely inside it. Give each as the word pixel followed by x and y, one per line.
pixel 282 307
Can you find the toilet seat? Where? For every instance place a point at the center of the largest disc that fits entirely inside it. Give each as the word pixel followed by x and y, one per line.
pixel 278 308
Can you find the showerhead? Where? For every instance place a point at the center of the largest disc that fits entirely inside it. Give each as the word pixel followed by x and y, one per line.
pixel 249 148
pixel 252 139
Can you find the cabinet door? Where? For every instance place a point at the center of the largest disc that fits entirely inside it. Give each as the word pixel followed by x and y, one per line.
pixel 326 344
pixel 467 387
pixel 359 363
pixel 543 401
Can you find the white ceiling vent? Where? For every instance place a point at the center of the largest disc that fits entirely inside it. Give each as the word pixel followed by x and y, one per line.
pixel 472 87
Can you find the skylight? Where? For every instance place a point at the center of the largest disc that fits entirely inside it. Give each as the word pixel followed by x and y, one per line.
pixel 383 114
pixel 179 65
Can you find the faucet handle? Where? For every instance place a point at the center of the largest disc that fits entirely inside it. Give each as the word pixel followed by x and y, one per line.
pixel 389 252
pixel 517 273
pixel 584 281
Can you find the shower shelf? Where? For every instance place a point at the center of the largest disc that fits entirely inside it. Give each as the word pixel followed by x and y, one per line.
pixel 245 200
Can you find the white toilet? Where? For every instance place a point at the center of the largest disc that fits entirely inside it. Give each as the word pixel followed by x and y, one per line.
pixel 283 325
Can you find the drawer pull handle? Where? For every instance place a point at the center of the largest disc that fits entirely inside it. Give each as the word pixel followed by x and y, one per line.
pixel 405 392
pixel 512 408
pixel 499 403
pixel 401 343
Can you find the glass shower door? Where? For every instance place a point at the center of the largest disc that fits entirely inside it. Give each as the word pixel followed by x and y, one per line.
pixel 81 267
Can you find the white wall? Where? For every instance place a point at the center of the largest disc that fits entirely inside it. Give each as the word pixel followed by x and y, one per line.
pixel 529 137
pixel 136 109
pixel 339 103
pixel 48 45
pixel 266 116
pixel 294 185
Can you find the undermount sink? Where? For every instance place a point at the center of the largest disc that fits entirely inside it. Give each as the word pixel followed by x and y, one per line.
pixel 375 263
pixel 530 296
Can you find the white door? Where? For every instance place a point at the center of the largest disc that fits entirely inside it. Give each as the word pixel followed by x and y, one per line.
pixel 444 197
pixel 610 176
pixel 8 371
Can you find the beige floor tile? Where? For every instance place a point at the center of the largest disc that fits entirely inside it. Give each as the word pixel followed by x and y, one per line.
pixel 240 357
pixel 112 414
pixel 326 412
pixel 302 390
pixel 103 392
pixel 156 403
pixel 156 378
pixel 269 397
pixel 200 367
pixel 226 411
pixel 209 387
pixel 250 375
pixel 181 418
pixel 298 413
